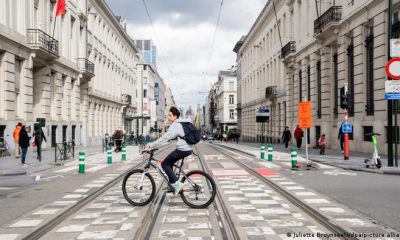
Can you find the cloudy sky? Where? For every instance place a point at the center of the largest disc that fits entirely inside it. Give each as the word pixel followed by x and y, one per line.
pixel 183 33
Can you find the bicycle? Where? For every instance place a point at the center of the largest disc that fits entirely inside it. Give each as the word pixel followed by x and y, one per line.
pixel 4 148
pixel 139 188
pixel 375 161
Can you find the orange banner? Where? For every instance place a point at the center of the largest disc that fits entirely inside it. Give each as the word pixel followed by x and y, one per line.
pixel 305 115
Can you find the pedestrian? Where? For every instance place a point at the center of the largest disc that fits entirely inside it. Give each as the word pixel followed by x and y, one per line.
pixel 39 137
pixel 322 144
pixel 24 143
pixel 341 136
pixel 118 136
pixel 148 139
pixel 16 139
pixel 237 137
pixel 286 137
pixel 298 135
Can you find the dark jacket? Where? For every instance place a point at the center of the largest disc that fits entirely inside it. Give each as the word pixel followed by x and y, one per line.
pixel 37 133
pixel 286 136
pixel 24 139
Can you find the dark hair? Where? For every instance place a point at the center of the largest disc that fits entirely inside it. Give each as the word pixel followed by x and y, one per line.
pixel 175 112
pixel 19 124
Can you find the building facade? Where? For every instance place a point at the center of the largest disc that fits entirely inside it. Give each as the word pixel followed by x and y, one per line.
pixel 226 100
pixel 112 90
pixel 309 50
pixel 148 50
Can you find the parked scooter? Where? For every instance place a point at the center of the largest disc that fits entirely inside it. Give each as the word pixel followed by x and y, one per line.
pixel 375 161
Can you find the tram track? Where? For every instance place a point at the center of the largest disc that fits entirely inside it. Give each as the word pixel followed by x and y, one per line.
pixel 60 218
pixel 321 219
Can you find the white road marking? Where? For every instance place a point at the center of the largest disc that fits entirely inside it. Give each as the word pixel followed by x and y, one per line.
pixel 98 235
pixel 46 211
pixel 339 172
pixel 26 223
pixel 6 188
pixel 273 211
pixel 8 236
pixel 352 221
pixel 96 168
pixel 316 200
pixel 72 228
pixel 69 196
pixel 305 194
pixel 332 210
pixel 67 169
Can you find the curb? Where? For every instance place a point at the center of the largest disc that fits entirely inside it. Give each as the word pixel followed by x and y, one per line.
pixel 8 174
pixel 387 172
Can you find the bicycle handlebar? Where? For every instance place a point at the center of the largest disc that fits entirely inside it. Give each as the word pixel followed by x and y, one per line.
pixel 372 134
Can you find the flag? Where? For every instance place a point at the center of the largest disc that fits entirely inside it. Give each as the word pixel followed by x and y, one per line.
pixel 60 7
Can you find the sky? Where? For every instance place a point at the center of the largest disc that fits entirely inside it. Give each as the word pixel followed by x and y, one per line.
pixel 188 59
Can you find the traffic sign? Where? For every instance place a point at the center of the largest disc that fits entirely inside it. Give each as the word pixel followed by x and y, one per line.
pixel 262 115
pixel 347 127
pixel 392 90
pixel 393 68
pixel 392 96
pixel 305 117
pixel 394 48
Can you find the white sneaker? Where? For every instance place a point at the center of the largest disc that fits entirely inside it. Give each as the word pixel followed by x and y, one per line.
pixel 178 187
pixel 24 165
pixel 342 152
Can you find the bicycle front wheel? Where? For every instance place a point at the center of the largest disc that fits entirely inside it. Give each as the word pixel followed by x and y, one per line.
pixel 199 189
pixel 138 187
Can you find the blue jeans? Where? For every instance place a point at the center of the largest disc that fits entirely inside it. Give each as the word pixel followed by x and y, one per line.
pixel 169 162
pixel 23 155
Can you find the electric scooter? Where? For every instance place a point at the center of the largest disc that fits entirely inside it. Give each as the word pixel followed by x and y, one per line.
pixel 375 161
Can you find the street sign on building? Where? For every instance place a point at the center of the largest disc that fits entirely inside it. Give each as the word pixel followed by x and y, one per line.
pixel 262 115
pixel 304 114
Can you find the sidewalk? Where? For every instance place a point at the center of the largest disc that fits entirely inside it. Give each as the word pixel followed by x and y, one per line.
pixel 11 166
pixel 332 157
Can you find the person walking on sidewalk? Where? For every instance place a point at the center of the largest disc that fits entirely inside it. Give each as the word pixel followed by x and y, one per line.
pixel 322 144
pixel 24 143
pixel 39 137
pixel 298 135
pixel 286 137
pixel 341 137
pixel 16 139
pixel 118 136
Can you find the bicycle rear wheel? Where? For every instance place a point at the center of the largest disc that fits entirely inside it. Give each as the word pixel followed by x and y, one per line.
pixel 199 189
pixel 137 192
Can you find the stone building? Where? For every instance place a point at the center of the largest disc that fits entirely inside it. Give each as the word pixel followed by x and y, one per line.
pixel 299 50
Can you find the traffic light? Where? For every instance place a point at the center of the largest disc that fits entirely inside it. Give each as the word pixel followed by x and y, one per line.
pixel 344 99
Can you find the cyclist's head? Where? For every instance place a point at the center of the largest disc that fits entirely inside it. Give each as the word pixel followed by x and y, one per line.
pixel 173 114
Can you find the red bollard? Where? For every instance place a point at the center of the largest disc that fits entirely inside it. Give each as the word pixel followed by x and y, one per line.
pixel 346 146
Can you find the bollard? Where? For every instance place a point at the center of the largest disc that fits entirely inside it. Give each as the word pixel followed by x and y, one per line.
pixel 109 155
pixel 294 157
pixel 123 157
pixel 81 162
pixel 262 151
pixel 270 152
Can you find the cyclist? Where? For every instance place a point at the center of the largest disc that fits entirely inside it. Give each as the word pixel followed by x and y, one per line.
pixel 183 149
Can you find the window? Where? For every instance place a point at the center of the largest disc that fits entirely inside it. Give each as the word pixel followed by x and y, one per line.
pixel 231 114
pixel 369 44
pixel 144 93
pixel 19 102
pixel 300 86
pixel 231 100
pixel 319 89
pixel 335 85
pixel 231 86
pixel 350 73
pixel 367 129
pixel 144 80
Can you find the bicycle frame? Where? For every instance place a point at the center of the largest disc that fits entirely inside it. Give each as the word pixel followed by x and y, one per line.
pixel 375 154
pixel 162 174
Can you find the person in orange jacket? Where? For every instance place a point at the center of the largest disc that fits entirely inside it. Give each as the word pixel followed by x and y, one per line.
pixel 16 139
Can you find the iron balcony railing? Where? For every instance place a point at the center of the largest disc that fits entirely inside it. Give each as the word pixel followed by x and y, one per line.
pixel 38 38
pixel 271 92
pixel 289 48
pixel 332 15
pixel 85 65
pixel 396 30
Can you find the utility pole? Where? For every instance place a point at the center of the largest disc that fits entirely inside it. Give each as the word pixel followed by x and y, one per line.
pixel 390 103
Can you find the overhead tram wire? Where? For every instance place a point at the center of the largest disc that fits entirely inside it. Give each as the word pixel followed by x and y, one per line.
pixel 156 36
pixel 213 39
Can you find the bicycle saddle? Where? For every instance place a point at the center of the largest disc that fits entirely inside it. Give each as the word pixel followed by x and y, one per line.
pixel 371 134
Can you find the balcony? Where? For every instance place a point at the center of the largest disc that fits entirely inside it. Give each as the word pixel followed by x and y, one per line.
pixel 396 30
pixel 126 99
pixel 271 92
pixel 46 46
pixel 86 67
pixel 289 48
pixel 325 24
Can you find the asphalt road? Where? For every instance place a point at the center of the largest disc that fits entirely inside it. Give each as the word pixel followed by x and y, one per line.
pixel 374 195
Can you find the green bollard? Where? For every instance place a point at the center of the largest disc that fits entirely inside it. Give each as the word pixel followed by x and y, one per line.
pixel 262 151
pixel 123 157
pixel 109 155
pixel 81 162
pixel 270 152
pixel 294 157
